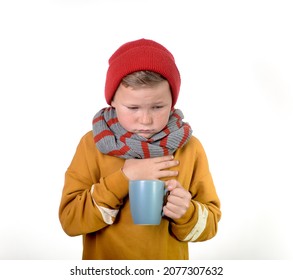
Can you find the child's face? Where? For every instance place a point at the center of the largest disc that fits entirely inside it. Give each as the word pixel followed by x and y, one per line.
pixel 144 111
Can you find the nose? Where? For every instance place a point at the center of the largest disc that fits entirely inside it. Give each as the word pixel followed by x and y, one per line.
pixel 146 118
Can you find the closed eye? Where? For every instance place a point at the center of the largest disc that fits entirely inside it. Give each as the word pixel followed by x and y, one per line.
pixel 132 107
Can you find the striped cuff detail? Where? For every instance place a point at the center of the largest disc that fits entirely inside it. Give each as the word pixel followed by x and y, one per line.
pixel 108 214
pixel 200 225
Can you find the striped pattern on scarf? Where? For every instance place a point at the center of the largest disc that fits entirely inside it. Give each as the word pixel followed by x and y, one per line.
pixel 112 139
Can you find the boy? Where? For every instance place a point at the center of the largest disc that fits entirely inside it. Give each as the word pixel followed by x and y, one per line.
pixel 140 136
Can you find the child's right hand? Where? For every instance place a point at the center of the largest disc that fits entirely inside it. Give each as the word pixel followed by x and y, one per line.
pixel 150 168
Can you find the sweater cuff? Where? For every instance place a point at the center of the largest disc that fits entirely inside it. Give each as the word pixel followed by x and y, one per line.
pixel 187 216
pixel 117 182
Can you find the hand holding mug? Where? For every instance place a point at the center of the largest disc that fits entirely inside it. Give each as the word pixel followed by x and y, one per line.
pixel 178 200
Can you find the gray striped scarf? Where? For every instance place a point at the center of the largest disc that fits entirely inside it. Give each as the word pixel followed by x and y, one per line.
pixel 112 139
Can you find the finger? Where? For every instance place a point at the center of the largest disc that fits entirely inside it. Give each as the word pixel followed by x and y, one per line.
pixel 181 194
pixel 175 201
pixel 173 212
pixel 167 164
pixel 167 173
pixel 163 158
pixel 172 184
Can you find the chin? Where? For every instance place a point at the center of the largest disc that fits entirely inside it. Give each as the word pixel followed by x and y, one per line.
pixel 147 136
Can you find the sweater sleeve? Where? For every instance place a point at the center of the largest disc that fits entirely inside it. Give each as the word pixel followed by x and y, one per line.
pixel 200 222
pixel 90 203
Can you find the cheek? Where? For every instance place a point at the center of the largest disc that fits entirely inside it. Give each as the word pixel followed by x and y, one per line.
pixel 162 120
pixel 125 121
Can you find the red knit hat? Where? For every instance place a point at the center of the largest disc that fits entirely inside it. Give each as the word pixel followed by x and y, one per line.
pixel 141 55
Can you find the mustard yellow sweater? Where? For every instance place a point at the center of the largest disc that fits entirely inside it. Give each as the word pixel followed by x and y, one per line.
pixel 95 204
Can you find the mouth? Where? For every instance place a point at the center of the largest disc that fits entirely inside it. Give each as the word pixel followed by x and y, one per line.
pixel 144 131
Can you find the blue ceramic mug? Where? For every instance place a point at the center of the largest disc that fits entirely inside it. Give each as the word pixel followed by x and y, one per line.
pixel 146 201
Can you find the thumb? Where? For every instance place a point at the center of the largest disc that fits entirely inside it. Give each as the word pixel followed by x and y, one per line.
pixel 171 184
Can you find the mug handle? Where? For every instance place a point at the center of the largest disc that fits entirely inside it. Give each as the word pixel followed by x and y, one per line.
pixel 165 199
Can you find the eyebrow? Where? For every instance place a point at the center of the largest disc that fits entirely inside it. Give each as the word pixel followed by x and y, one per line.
pixel 151 104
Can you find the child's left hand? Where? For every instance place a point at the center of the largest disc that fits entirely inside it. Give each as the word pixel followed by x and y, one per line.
pixel 178 200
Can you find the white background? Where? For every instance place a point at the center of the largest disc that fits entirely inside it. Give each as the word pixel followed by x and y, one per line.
pixel 235 59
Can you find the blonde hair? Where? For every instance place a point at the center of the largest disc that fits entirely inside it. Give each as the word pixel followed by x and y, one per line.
pixel 142 79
